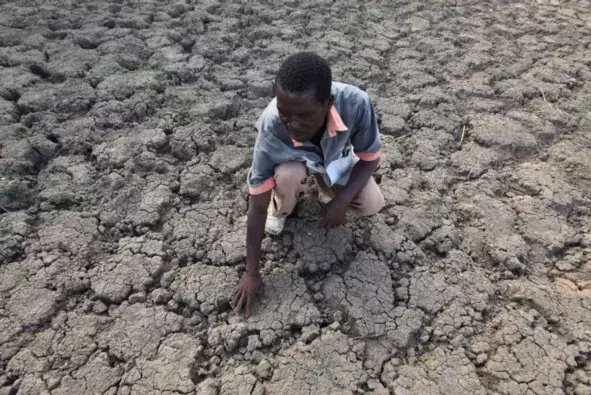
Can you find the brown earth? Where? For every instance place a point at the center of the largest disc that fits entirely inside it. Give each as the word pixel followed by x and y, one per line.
pixel 125 138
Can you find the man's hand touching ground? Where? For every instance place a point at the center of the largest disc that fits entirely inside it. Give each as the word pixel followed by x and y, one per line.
pixel 251 286
pixel 333 214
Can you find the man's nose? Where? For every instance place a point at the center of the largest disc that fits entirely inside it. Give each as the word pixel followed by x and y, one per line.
pixel 293 124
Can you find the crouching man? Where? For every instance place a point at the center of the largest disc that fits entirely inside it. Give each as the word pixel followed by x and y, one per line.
pixel 313 126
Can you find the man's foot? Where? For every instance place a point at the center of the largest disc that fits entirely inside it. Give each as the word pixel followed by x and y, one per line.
pixel 323 198
pixel 274 225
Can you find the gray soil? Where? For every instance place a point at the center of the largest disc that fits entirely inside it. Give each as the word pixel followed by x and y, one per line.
pixel 126 132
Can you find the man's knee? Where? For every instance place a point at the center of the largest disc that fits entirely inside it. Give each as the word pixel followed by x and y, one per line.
pixel 371 202
pixel 292 173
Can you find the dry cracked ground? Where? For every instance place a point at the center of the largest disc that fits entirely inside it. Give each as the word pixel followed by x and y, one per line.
pixel 126 131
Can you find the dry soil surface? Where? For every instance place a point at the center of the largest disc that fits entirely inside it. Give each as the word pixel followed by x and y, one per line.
pixel 126 132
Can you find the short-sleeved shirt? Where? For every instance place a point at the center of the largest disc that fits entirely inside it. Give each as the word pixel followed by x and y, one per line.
pixel 351 135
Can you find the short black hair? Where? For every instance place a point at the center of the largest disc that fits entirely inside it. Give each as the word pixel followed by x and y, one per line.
pixel 305 70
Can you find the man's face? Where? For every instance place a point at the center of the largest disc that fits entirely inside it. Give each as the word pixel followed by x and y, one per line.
pixel 301 114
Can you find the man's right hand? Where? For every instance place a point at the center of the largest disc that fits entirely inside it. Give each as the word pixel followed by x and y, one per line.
pixel 250 286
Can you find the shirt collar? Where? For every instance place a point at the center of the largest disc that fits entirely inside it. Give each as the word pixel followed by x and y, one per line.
pixel 334 124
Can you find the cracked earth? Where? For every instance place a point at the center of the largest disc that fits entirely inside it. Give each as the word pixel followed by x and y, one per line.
pixel 126 133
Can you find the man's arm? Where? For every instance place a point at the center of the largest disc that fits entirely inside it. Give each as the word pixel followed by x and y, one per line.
pixel 360 175
pixel 255 227
pixel 251 283
pixel 333 213
pixel 365 139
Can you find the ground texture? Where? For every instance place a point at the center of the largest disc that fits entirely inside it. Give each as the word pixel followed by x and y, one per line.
pixel 126 131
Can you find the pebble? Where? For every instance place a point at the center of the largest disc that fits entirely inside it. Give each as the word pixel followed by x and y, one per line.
pixel 309 333
pixel 109 24
pixel 264 369
pixel 160 296
pixel 139 297
pixel 313 268
pixel 99 307
pixel 481 359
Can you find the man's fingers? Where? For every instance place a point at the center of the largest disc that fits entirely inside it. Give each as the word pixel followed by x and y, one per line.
pixel 240 304
pixel 236 297
pixel 248 306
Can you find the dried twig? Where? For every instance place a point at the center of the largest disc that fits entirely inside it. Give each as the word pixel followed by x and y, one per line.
pixel 463 134
pixel 543 95
pixel 5 209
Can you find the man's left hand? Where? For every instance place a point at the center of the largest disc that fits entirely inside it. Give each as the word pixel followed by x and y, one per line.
pixel 333 214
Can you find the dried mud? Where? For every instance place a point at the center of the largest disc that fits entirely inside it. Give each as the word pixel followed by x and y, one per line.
pixel 126 130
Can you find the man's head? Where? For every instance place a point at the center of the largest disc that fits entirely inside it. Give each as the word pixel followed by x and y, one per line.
pixel 303 89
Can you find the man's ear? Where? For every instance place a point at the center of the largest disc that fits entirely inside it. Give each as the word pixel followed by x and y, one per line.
pixel 330 101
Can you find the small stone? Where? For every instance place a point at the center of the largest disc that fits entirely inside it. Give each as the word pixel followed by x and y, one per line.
pixel 160 296
pixel 109 24
pixel 334 326
pixel 515 266
pixel 300 266
pixel 139 297
pixel 172 305
pixel 257 356
pixel 553 320
pixel 570 361
pixel 254 342
pixel 403 257
pixel 309 333
pixel 325 266
pixel 87 306
pixel 401 293
pixel 318 296
pixel 53 382
pixel 479 347
pixel 481 359
pixel 215 360
pixel 313 268
pixel 167 279
pixel 187 44
pixel 338 316
pixel 264 370
pixel 99 307
pixel 268 337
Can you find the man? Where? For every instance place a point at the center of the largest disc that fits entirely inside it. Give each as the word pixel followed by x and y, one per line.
pixel 313 126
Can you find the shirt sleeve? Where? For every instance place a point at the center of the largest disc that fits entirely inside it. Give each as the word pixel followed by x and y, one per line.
pixel 365 136
pixel 261 176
